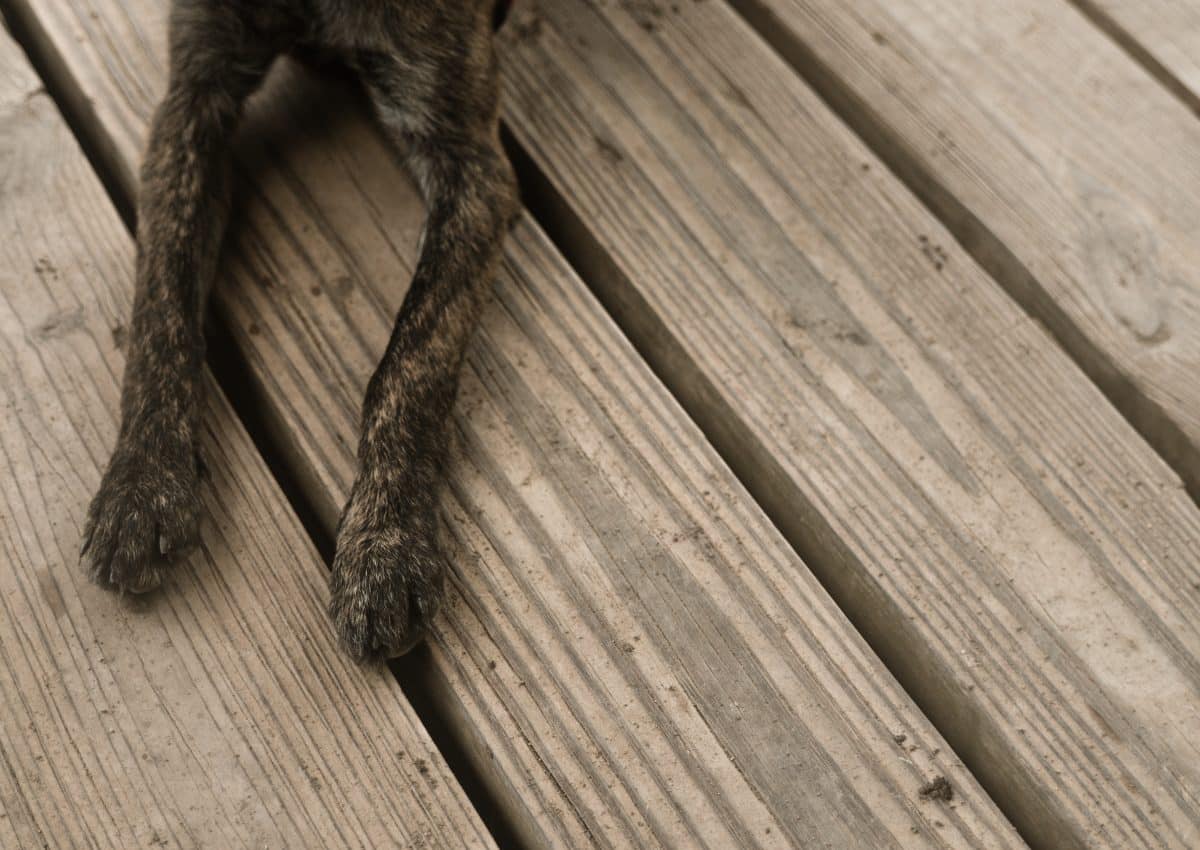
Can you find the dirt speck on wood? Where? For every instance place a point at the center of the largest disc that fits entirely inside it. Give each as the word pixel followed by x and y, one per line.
pixel 938 788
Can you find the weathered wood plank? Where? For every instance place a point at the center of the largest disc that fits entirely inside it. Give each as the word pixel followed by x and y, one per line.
pixel 1065 168
pixel 634 654
pixel 1016 552
pixel 220 714
pixel 1163 35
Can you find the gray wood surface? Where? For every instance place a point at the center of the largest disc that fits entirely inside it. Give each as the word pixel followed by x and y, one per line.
pixel 1069 171
pixel 1017 553
pixel 219 713
pixel 633 654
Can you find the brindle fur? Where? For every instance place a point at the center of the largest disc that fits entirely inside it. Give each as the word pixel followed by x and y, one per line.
pixel 429 68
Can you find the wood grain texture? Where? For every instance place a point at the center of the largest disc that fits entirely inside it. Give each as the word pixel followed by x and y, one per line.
pixel 1065 168
pixel 634 654
pixel 219 713
pixel 1018 555
pixel 1162 35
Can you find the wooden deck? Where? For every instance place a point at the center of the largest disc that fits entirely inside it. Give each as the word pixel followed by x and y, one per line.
pixel 831 433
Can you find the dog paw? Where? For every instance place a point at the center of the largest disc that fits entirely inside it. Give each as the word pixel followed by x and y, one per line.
pixel 387 583
pixel 145 516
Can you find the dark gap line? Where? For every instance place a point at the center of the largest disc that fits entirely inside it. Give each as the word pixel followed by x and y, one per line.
pixel 415 673
pixel 1146 416
pixel 1129 43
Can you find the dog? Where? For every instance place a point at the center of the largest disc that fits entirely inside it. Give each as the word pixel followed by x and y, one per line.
pixel 429 69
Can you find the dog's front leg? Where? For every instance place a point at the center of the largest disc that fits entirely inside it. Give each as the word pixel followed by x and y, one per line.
pixel 388 571
pixel 146 510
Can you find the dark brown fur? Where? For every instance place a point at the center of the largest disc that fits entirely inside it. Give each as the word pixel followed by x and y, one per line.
pixel 430 71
